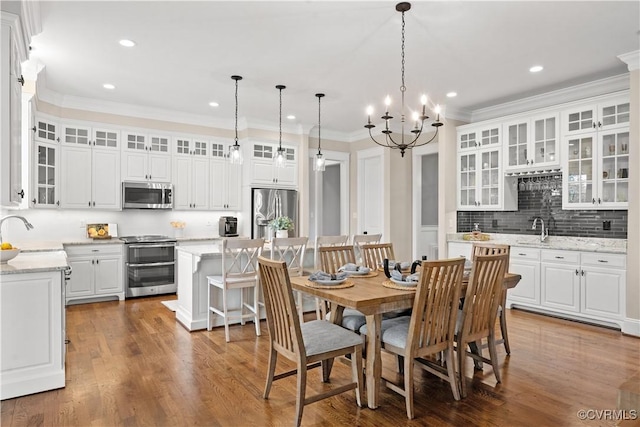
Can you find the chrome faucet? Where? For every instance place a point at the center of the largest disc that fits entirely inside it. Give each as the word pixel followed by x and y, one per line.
pixel 544 233
pixel 27 224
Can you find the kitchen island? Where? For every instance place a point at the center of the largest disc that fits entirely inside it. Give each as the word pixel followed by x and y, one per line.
pixel 32 328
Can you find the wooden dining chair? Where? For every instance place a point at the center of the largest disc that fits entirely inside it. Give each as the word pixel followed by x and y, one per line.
pixel 309 344
pixel 374 254
pixel 479 312
pixel 239 272
pixel 430 330
pixel 320 242
pixel 363 239
pixel 291 250
pixel 496 249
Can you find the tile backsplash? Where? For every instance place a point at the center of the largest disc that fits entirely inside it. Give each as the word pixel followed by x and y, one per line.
pixel 547 204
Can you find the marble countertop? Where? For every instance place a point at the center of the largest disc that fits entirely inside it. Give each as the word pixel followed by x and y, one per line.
pixel 34 262
pixel 585 244
pixel 201 250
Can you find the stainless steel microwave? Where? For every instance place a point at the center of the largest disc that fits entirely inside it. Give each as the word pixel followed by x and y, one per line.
pixel 147 195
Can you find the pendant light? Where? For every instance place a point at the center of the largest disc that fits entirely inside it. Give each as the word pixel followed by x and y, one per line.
pixel 235 154
pixel 319 162
pixel 280 158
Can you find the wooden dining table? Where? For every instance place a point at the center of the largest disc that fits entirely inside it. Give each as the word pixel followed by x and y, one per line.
pixel 372 299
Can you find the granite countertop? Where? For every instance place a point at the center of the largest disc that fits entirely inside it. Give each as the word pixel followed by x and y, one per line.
pixel 585 244
pixel 34 262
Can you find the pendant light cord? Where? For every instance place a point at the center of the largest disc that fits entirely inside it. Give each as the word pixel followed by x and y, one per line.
pixel 236 112
pixel 319 98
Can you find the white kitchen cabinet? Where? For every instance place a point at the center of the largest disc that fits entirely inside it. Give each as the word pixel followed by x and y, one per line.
pixel 32 333
pixel 459 249
pixel 603 284
pixel 11 191
pixel 90 168
pixel 526 263
pixel 145 157
pixel 532 143
pixel 561 280
pixel 191 173
pixel 596 149
pixel 263 171
pixel 226 179
pixel 97 271
pixel 46 176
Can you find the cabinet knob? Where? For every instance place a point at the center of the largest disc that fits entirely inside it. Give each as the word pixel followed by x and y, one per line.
pixel 89 204
pixel 582 272
pixel 33 201
pixel 58 203
pixel 21 80
pixel 593 201
pixel 21 193
pixel 577 272
pixel 599 200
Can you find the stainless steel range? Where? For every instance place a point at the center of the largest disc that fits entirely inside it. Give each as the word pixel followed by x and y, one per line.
pixel 150 265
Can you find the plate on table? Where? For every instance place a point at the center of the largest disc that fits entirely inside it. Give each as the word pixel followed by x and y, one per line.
pixel 403 283
pixel 328 282
pixel 357 273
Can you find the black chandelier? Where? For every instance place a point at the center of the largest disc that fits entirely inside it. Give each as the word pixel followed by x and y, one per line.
pixel 418 118
pixel 280 158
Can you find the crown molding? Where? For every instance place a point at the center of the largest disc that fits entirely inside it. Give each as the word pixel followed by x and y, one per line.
pixel 561 96
pixel 632 59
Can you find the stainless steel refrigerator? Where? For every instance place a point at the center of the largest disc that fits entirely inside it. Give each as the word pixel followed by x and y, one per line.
pixel 270 203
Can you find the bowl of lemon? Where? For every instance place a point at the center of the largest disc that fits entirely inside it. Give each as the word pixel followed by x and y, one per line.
pixel 8 252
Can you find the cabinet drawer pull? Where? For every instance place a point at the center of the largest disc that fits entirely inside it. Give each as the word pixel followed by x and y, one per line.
pixel 577 272
pixel 522 254
pixel 603 260
pixel 559 257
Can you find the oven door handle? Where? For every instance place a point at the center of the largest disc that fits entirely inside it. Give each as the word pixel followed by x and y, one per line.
pixel 158 245
pixel 152 264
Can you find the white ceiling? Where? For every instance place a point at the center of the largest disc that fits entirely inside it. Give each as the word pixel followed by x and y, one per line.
pixel 350 50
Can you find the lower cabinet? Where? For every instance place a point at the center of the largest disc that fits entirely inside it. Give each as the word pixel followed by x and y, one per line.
pixel 561 280
pixel 526 263
pixel 97 271
pixel 32 333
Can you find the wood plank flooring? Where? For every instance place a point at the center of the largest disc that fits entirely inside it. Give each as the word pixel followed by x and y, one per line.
pixel 130 363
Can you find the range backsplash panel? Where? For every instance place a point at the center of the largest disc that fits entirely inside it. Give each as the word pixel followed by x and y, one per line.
pixel 547 204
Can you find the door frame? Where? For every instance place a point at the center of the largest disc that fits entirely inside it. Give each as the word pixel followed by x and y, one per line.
pixel 361 156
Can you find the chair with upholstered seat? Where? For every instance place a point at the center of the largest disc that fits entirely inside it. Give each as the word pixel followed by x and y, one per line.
pixel 291 250
pixel 479 313
pixel 363 239
pixel 239 272
pixel 309 344
pixel 373 254
pixel 430 330
pixel 496 249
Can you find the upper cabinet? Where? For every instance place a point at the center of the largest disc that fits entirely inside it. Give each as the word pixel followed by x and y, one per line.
pixel 191 174
pixel 263 171
pixel 11 191
pixel 481 181
pixel 596 149
pixel 46 164
pixel 226 179
pixel 89 168
pixel 145 157
pixel 532 143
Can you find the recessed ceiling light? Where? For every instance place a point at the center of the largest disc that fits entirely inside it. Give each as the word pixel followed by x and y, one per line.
pixel 108 86
pixel 452 94
pixel 536 68
pixel 127 43
pixel 291 117
pixel 214 104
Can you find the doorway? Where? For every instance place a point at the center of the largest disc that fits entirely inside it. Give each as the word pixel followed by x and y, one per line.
pixel 425 201
pixel 329 196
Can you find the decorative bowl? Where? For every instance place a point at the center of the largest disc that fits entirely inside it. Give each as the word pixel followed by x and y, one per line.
pixel 8 254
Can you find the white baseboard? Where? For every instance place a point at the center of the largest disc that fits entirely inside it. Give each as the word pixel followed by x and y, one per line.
pixel 631 327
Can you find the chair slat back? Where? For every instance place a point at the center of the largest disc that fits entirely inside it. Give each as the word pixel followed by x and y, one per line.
pixel 282 316
pixel 322 241
pixel 240 258
pixel 292 251
pixel 363 239
pixel 483 294
pixel 374 254
pixel 490 249
pixel 435 308
pixel 334 257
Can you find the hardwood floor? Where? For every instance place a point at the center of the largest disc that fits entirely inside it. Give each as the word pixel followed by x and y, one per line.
pixel 130 363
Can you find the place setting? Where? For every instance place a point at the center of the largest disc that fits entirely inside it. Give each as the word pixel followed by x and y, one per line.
pixel 355 270
pixel 321 280
pixel 402 275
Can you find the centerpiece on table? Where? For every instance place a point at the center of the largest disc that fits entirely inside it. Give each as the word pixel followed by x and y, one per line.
pixel 281 225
